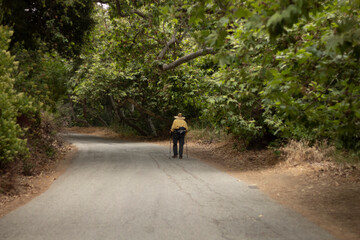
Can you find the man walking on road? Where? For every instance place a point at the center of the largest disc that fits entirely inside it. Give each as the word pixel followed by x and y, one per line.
pixel 178 130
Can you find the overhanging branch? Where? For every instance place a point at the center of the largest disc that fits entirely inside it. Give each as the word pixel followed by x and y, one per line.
pixel 188 58
pixel 164 50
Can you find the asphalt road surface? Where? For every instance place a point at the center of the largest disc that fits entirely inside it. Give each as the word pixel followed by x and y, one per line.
pixel 132 191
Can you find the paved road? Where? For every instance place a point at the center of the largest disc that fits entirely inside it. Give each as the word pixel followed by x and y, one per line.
pixel 132 191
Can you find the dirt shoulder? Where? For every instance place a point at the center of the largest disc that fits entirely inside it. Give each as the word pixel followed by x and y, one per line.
pixel 327 196
pixel 19 189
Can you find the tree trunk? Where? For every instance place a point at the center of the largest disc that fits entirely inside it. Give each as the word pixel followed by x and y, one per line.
pixel 84 109
pixel 113 104
pixel 131 124
pixel 121 116
pixel 98 117
pixel 144 110
pixel 75 118
pixel 152 127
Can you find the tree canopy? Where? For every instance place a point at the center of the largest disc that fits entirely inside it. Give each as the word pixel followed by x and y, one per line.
pixel 260 69
pixel 61 25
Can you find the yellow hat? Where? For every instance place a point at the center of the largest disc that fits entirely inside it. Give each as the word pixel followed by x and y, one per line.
pixel 179 116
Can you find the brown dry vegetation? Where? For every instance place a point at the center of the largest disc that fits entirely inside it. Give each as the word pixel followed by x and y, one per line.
pixel 25 178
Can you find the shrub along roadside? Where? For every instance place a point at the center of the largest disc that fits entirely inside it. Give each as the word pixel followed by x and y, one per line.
pixel 11 144
pixel 27 130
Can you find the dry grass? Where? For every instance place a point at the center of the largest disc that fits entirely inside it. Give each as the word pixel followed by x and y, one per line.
pixel 302 152
pixel 322 158
pixel 227 154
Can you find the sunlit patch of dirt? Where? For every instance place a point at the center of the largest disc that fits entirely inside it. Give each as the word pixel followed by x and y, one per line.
pixel 103 132
pixel 94 131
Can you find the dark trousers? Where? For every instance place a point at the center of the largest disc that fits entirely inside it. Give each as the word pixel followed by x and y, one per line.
pixel 181 138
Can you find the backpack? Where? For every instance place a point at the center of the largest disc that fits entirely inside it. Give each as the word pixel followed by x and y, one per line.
pixel 181 131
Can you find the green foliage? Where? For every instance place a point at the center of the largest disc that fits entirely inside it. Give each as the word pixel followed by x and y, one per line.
pixel 10 143
pixel 281 69
pixel 42 76
pixel 62 25
pixel 234 103
pixel 132 77
pixel 34 83
pixel 303 84
pixel 313 91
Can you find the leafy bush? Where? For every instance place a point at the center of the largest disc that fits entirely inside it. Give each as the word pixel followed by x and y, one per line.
pixel 291 79
pixel 313 90
pixel 10 132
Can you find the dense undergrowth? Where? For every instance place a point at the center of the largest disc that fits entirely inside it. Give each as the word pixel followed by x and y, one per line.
pixel 28 129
